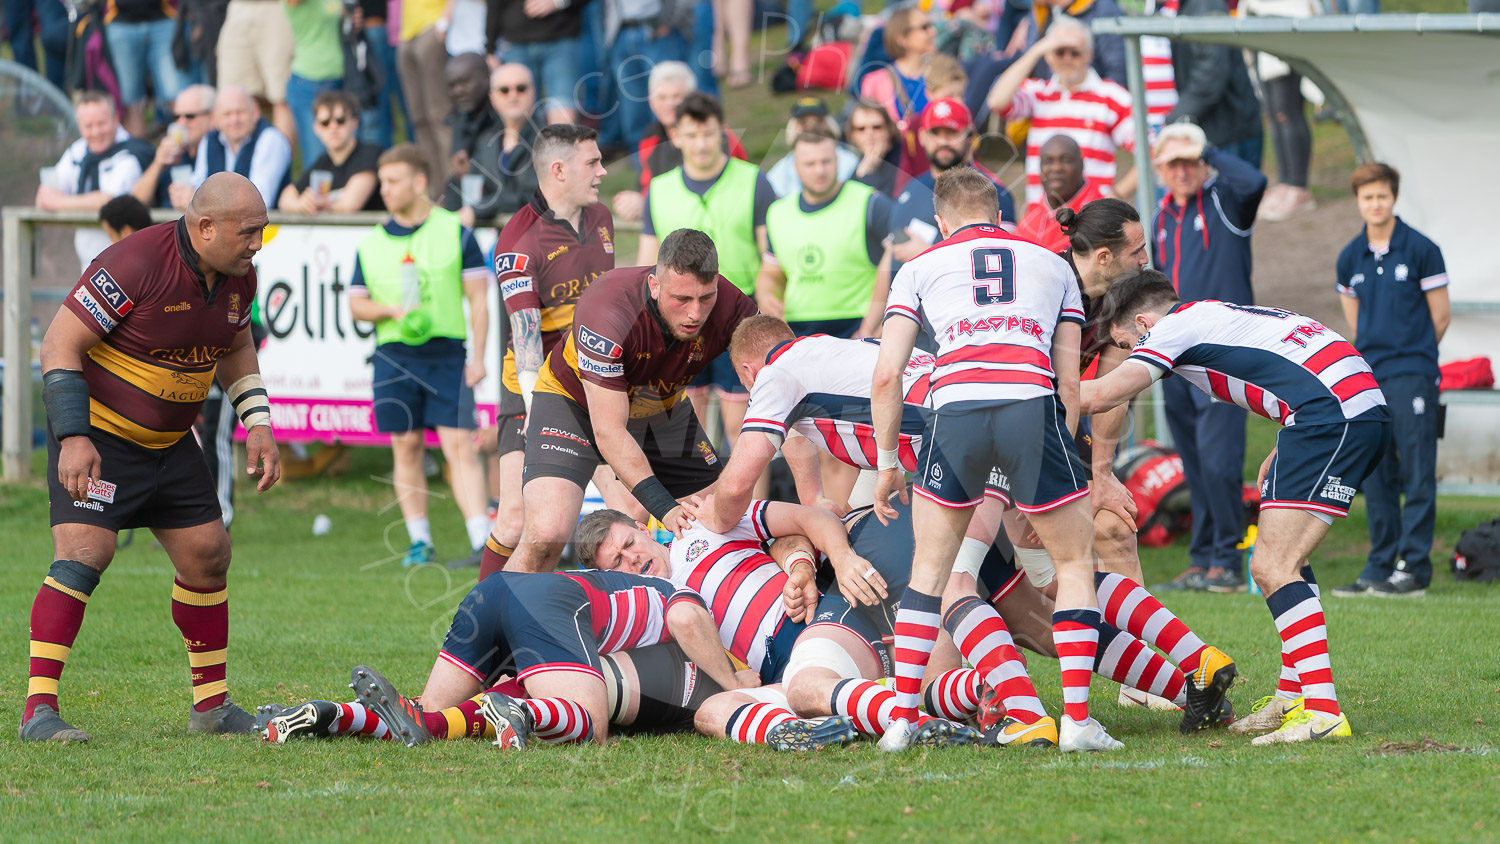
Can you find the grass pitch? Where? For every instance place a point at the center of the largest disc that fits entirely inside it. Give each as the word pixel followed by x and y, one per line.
pixel 1418 677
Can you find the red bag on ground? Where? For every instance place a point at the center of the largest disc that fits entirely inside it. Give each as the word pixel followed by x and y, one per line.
pixel 1471 374
pixel 825 67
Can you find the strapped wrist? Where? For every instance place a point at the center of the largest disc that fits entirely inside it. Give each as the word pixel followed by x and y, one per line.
pixel 886 458
pixel 65 395
pixel 250 400
pixel 653 495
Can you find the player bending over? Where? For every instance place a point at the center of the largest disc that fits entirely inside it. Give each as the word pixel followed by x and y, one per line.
pixel 1296 371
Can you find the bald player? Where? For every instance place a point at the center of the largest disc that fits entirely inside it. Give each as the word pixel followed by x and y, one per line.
pixel 127 364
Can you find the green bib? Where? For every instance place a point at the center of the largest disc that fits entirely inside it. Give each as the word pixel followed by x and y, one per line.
pixel 437 248
pixel 828 270
pixel 725 213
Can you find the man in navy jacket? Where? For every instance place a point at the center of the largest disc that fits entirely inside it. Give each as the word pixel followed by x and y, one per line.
pixel 1202 234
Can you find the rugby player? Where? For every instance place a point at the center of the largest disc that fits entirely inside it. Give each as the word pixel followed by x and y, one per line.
pixel 127 363
pixel 639 336
pixel 548 631
pixel 1006 314
pixel 1296 371
pixel 547 255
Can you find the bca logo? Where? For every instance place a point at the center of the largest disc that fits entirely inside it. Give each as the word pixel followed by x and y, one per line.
pixel 510 262
pixel 111 292
pixel 598 344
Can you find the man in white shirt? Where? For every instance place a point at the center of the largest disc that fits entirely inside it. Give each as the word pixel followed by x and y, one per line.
pixel 244 143
pixel 103 164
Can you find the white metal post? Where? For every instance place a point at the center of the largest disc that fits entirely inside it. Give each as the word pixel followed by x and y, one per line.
pixel 17 324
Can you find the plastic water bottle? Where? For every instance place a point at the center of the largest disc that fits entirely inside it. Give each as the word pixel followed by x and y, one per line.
pixel 411 284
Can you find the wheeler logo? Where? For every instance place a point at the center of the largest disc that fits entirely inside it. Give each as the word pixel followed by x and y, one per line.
pixel 516 285
pixel 106 322
pixel 607 370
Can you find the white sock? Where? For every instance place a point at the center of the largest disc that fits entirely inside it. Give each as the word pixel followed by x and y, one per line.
pixel 479 530
pixel 420 530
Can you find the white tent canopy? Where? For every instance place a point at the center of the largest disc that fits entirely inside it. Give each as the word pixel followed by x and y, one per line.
pixel 1421 93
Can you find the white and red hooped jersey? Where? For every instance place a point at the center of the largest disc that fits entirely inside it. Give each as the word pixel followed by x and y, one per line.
pixel 736 579
pixel 1096 115
pixel 626 612
pixel 819 387
pixel 994 301
pixel 1279 364
pixel 1156 69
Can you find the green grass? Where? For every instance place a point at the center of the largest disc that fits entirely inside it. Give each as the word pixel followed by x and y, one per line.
pixel 306 609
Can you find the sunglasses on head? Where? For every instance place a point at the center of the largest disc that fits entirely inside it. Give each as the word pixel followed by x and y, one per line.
pixel 340 120
pixel 189 115
pixel 504 90
pixel 1067 52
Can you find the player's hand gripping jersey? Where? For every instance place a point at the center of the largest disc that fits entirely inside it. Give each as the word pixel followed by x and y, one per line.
pixel 819 387
pixel 1279 364
pixel 993 301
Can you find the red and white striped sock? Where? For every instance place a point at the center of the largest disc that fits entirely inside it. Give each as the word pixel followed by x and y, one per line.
pixel 1126 605
pixel 917 625
pixel 1304 640
pixel 750 723
pixel 984 640
pixel 358 720
pixel 1290 687
pixel 559 721
pixel 1126 660
pixel 1075 632
pixel 867 703
pixel 954 695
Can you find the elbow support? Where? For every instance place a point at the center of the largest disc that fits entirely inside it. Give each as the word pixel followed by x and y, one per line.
pixel 248 395
pixel 65 395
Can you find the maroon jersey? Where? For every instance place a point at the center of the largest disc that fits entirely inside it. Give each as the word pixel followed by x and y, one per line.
pixel 162 331
pixel 1094 339
pixel 544 263
pixel 620 342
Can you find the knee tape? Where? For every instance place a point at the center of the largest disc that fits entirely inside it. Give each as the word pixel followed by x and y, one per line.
pixel 817 652
pixel 774 694
pixel 863 492
pixel 1037 564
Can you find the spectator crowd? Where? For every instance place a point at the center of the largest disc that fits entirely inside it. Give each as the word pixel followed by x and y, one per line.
pixel 302 97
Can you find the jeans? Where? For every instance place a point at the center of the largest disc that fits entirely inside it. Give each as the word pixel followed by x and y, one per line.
pixel 300 94
pixel 1404 530
pixel 377 125
pixel 799 15
pixel 54 20
pixel 596 87
pixel 1354 7
pixel 701 51
pixel 141 48
pixel 555 65
pixel 1290 135
pixel 1210 437
pixel 1250 150
pixel 636 50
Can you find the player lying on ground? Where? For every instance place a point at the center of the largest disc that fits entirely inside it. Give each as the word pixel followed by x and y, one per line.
pixel 1296 371
pixel 546 630
pixel 988 598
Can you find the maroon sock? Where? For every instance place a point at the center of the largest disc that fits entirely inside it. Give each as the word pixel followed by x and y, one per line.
pixel 56 616
pixel 203 617
pixel 494 558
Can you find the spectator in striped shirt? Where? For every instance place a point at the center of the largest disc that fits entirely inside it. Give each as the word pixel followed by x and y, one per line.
pixel 1076 102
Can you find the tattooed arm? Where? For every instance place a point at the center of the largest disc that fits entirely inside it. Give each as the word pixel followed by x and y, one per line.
pixel 526 339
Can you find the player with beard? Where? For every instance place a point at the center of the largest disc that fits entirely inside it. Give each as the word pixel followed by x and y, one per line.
pixel 948 138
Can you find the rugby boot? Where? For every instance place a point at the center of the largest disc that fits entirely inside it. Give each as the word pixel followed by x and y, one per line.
pixel 1087 736
pixel 991 709
pixel 1130 698
pixel 1307 726
pixel 804 734
pixel 1011 731
pixel 47 725
pixel 511 719
pixel 402 716
pixel 1268 713
pixel 1205 690
pixel 224 718
pixel 312 719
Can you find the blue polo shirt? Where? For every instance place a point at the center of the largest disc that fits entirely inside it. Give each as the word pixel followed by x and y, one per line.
pixel 1394 330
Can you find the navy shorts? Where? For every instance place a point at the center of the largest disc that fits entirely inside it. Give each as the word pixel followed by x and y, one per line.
pixel 719 374
pixel 419 388
pixel 834 608
pixel 1023 445
pixel 844 328
pixel 779 650
pixel 1320 467
pixel 521 624
pixel 138 487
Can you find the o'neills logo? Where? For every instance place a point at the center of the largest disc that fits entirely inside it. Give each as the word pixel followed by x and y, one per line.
pixel 180 306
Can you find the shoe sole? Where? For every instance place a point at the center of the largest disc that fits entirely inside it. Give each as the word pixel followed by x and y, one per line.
pixel 378 695
pixel 943 734
pixel 508 734
pixel 1415 593
pixel 1226 590
pixel 1218 687
pixel 1350 593
pixel 995 741
pixel 295 721
pixel 803 736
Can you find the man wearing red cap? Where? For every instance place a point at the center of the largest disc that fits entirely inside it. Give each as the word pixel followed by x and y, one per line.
pixel 947 136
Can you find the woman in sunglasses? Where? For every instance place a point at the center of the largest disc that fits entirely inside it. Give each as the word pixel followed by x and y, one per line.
pixel 342 179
